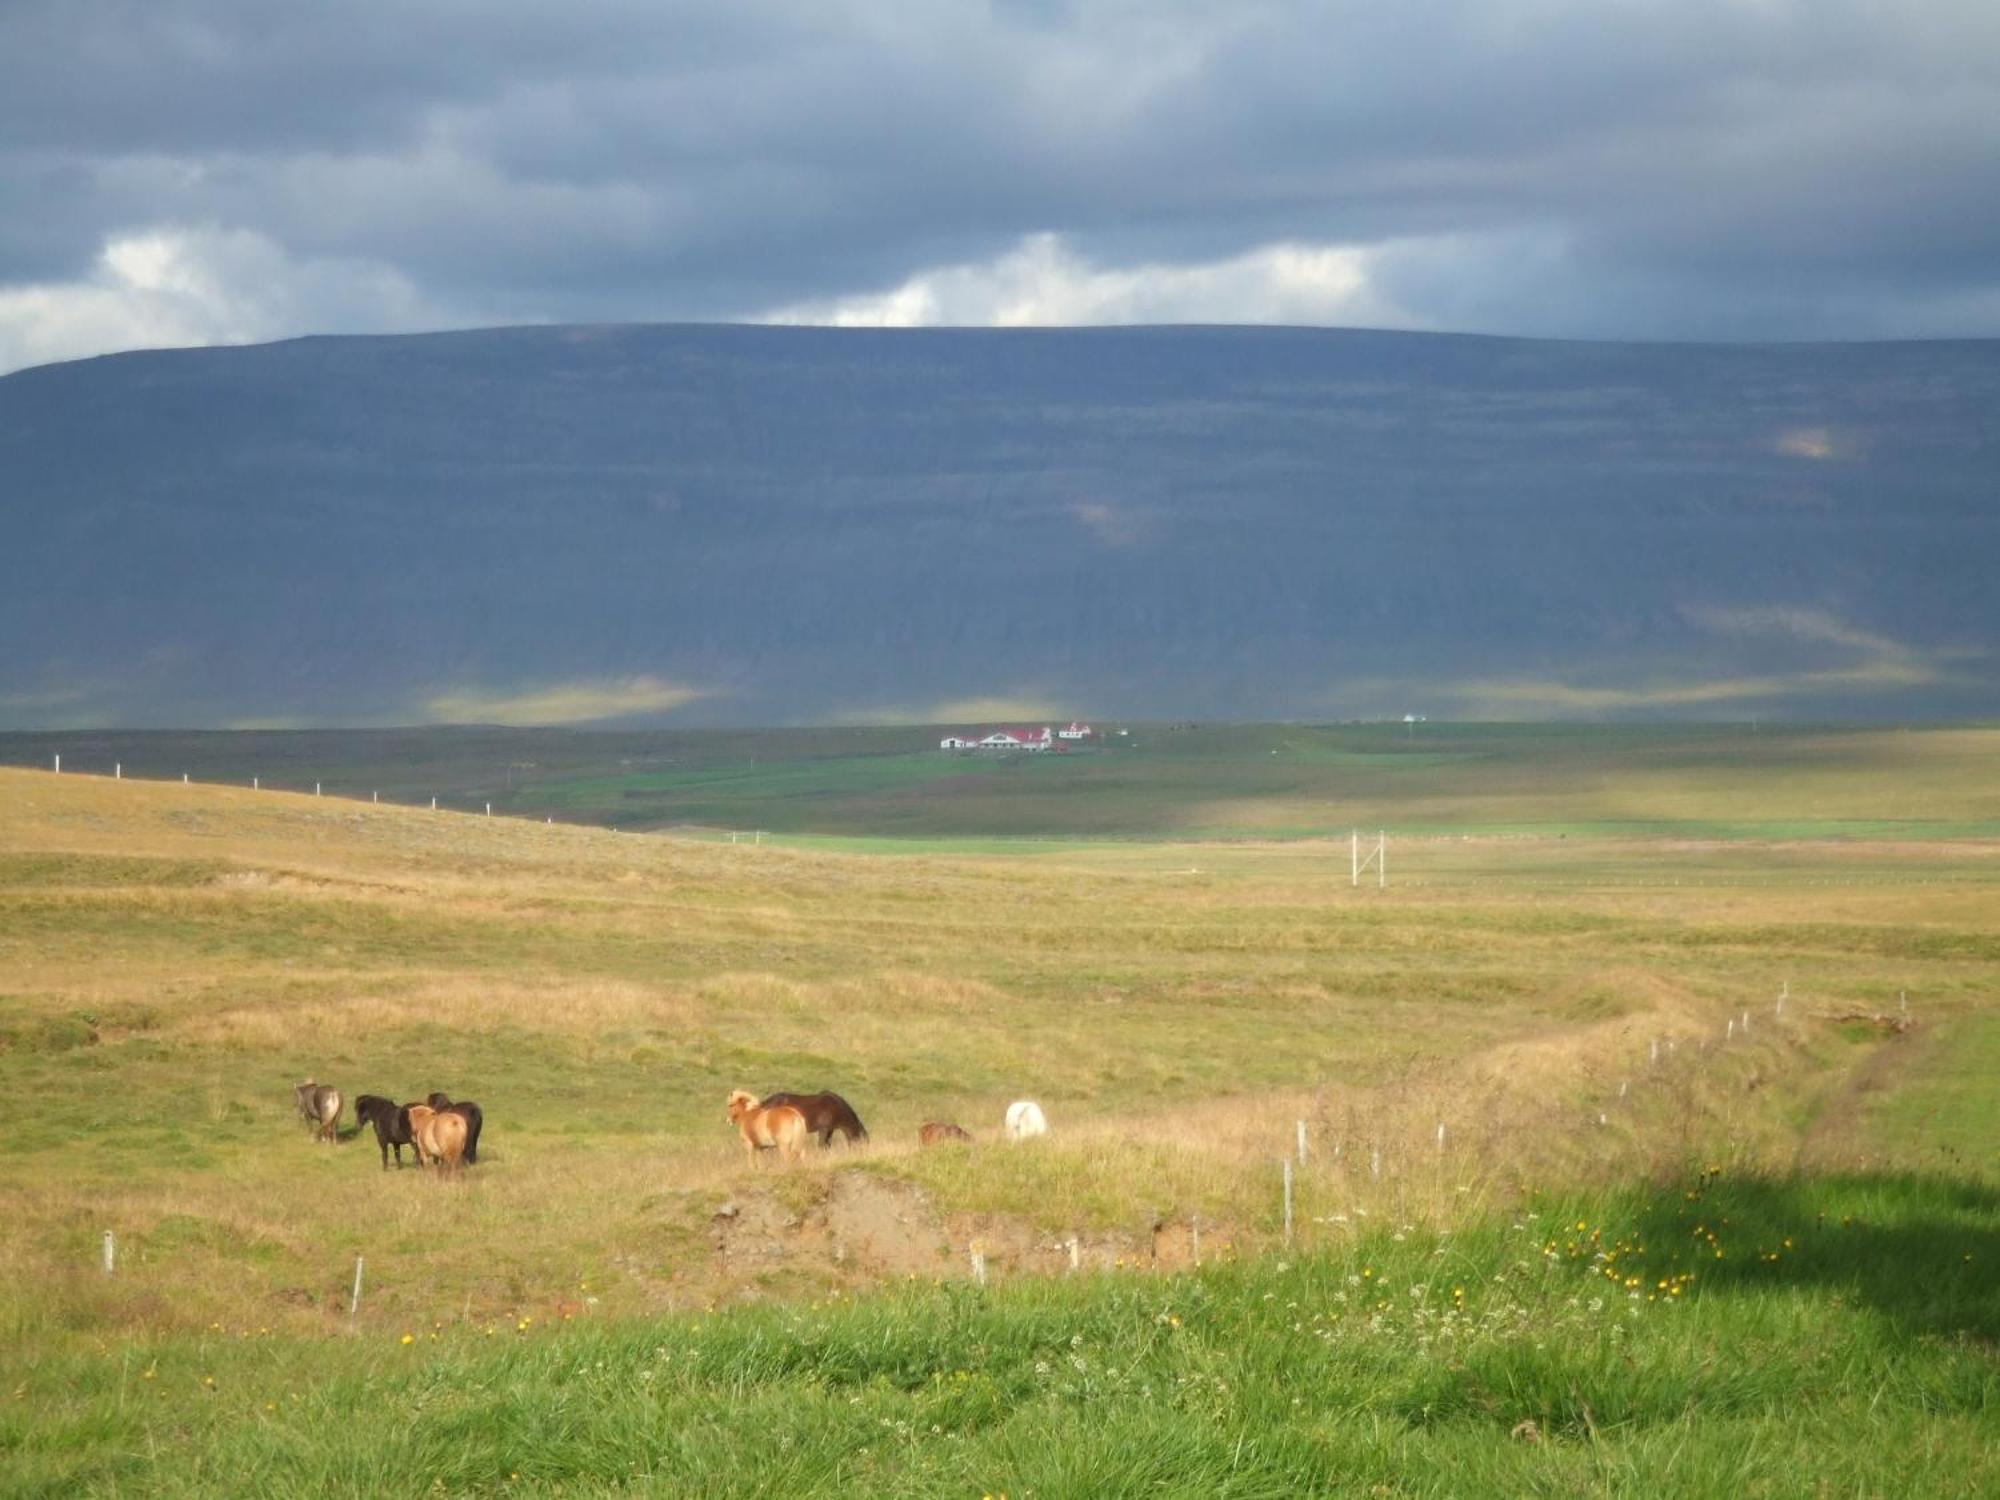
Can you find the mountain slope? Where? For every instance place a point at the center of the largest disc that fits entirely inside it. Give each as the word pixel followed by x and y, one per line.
pixel 712 524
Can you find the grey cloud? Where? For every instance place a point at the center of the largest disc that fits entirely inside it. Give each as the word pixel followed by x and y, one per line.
pixel 1720 167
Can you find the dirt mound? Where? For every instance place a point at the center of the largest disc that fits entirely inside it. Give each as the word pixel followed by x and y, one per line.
pixel 871 1225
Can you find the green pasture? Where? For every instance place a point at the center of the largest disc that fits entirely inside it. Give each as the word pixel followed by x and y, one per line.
pixel 1203 782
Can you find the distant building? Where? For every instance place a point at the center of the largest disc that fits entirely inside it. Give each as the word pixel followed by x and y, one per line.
pixel 1076 731
pixel 1003 739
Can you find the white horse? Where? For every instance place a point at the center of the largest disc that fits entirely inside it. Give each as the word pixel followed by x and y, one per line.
pixel 1025 1119
pixel 319 1106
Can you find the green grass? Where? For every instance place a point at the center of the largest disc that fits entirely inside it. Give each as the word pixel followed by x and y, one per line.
pixel 1843 1343
pixel 1940 1109
pixel 1208 782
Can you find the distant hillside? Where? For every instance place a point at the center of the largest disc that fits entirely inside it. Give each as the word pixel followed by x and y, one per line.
pixel 732 525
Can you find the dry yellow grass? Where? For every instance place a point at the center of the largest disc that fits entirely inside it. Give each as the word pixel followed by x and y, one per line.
pixel 175 958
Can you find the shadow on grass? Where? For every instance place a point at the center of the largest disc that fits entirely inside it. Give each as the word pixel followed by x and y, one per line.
pixel 1921 1249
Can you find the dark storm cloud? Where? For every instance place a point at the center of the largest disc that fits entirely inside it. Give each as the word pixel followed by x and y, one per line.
pixel 1722 167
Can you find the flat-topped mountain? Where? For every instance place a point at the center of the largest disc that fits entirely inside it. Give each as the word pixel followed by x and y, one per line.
pixel 716 524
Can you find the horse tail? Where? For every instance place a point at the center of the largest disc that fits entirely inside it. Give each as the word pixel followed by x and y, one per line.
pixel 475 1121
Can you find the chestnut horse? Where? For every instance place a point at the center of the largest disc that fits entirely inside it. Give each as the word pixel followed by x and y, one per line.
pixel 475 1121
pixel 825 1113
pixel 319 1107
pixel 767 1127
pixel 392 1125
pixel 937 1132
pixel 438 1135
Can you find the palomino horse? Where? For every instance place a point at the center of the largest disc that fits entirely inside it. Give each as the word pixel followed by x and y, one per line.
pixel 937 1132
pixel 438 1135
pixel 392 1125
pixel 475 1121
pixel 1025 1119
pixel 319 1107
pixel 825 1113
pixel 767 1127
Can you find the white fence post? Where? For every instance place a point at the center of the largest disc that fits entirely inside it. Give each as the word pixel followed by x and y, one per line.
pixel 1075 1254
pixel 254 786
pixel 58 763
pixel 1302 1141
pixel 978 1265
pixel 110 1253
pixel 354 1300
pixel 118 770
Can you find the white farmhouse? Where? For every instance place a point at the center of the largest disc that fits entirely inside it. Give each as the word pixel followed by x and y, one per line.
pixel 1002 739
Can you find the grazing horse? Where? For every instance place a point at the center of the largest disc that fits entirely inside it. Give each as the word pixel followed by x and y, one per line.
pixel 768 1127
pixel 475 1121
pixel 825 1113
pixel 319 1107
pixel 392 1125
pixel 937 1132
pixel 438 1135
pixel 1025 1119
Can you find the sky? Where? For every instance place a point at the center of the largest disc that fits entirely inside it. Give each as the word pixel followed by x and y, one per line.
pixel 177 172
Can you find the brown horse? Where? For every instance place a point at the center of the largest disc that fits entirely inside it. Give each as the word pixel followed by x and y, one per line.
pixel 438 1134
pixel 475 1121
pixel 825 1113
pixel 937 1132
pixel 392 1125
pixel 319 1107
pixel 767 1127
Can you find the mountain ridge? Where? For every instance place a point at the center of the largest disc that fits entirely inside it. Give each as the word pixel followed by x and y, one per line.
pixel 733 524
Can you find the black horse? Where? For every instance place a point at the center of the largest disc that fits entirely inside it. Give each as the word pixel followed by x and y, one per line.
pixel 474 1121
pixel 392 1124
pixel 825 1113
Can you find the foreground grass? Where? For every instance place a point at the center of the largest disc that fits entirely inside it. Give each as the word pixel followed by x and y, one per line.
pixel 1757 1336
